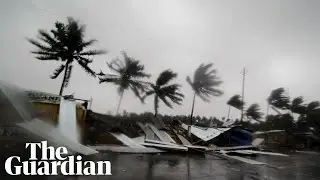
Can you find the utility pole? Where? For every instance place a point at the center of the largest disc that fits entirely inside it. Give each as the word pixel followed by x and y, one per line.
pixel 244 72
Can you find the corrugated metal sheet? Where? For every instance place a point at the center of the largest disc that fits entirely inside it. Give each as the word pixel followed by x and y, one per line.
pixel 205 134
pixel 126 140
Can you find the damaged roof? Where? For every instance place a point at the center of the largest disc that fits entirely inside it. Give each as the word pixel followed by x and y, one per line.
pixel 205 134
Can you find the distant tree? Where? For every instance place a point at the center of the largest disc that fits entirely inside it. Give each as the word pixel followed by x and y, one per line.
pixel 204 85
pixel 253 112
pixel 128 75
pixel 236 102
pixel 164 91
pixel 66 44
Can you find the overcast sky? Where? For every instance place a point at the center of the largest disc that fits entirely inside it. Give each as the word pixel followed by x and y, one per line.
pixel 278 41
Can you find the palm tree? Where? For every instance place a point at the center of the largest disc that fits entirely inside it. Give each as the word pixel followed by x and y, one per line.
pixel 313 113
pixel 204 85
pixel 297 106
pixel 236 102
pixel 165 92
pixel 129 73
pixel 254 112
pixel 279 99
pixel 65 43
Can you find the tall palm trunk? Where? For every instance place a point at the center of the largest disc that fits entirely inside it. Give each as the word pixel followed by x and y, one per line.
pixel 229 111
pixel 64 79
pixel 156 101
pixel 191 115
pixel 121 96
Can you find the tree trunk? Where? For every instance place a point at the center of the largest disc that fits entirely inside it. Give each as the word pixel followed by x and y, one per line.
pixel 191 115
pixel 229 111
pixel 121 95
pixel 64 79
pixel 155 106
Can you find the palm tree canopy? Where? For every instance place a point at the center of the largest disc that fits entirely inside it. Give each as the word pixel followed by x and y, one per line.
pixel 236 101
pixel 164 91
pixel 253 112
pixel 297 105
pixel 205 82
pixel 312 106
pixel 279 99
pixel 128 74
pixel 65 43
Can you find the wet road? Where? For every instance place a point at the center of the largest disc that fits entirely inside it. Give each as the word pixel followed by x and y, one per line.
pixel 177 167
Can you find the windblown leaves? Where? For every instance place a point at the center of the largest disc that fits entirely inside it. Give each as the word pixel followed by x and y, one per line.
pixel 65 42
pixel 253 112
pixel 279 99
pixel 128 75
pixel 166 93
pixel 236 102
pixel 205 82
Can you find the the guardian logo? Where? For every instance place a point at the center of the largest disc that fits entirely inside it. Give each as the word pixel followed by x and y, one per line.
pixel 54 162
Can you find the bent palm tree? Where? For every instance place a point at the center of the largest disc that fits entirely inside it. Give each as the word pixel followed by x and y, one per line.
pixel 165 92
pixel 65 43
pixel 253 112
pixel 128 75
pixel 236 102
pixel 204 85
pixel 297 106
pixel 279 99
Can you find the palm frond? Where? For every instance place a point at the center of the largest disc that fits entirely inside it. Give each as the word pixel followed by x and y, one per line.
pixel 165 77
pixel 85 66
pixel 39 45
pixel 279 99
pixel 253 112
pixel 137 92
pixel 101 73
pixel 313 105
pixel 92 52
pixel 58 71
pixel 165 101
pixel 85 44
pixel 236 102
pixel 148 93
pixel 109 79
pixel 47 57
pixel 297 105
pixel 129 72
pixel 205 82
